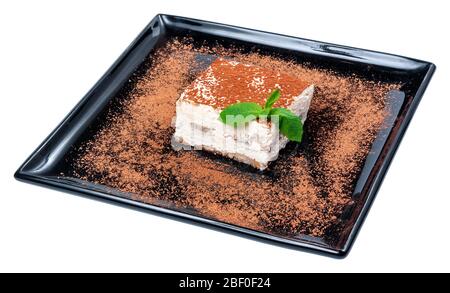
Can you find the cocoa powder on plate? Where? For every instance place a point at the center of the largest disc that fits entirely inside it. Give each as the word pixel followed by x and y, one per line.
pixel 303 192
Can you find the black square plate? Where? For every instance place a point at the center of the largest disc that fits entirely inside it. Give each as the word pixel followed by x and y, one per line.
pixel 48 161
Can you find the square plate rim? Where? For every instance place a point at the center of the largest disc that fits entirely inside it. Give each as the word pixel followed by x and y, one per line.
pixel 25 174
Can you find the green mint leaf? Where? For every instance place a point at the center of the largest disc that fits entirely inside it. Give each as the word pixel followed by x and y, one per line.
pixel 290 124
pixel 292 128
pixel 282 112
pixel 264 112
pixel 240 113
pixel 274 96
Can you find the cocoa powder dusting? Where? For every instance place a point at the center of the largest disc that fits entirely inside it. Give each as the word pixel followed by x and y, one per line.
pixel 303 192
pixel 228 82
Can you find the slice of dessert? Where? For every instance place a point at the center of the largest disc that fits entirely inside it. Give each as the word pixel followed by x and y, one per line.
pixel 225 83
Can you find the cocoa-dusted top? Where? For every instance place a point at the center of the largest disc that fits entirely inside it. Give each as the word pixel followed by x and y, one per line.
pixel 226 82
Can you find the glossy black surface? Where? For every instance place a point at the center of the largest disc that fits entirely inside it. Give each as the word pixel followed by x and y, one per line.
pixel 49 159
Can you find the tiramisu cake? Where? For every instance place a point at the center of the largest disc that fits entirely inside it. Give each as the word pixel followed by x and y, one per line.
pixel 224 83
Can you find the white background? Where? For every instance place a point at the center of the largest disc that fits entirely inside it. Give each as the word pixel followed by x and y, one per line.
pixel 52 52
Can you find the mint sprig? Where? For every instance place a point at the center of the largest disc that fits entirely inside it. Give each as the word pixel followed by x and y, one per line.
pixel 289 124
